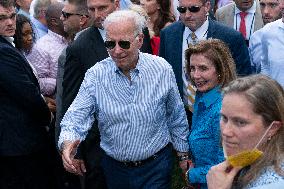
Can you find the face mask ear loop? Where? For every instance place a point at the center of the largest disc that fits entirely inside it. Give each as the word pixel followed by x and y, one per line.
pixel 263 136
pixel 224 151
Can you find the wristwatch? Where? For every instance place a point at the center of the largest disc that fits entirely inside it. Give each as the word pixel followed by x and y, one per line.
pixel 183 157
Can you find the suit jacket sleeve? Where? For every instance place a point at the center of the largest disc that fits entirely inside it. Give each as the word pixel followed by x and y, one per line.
pixel 162 44
pixel 18 81
pixel 72 78
pixel 241 56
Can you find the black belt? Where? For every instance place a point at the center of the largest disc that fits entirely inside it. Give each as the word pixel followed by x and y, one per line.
pixel 142 162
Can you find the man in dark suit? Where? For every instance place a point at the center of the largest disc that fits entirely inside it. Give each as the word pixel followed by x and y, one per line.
pixel 195 25
pixel 24 115
pixel 81 55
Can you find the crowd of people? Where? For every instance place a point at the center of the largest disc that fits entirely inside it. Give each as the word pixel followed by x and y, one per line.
pixel 99 94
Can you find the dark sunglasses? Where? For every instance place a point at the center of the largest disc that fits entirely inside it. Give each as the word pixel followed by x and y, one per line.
pixel 193 9
pixel 66 15
pixel 123 44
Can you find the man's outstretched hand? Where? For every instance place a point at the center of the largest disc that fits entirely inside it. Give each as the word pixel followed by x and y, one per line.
pixel 76 166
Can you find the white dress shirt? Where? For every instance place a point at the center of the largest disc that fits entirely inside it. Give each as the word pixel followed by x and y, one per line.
pixel 272 63
pixel 255 50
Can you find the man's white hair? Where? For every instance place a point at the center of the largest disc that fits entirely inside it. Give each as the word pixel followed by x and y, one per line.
pixel 38 6
pixel 125 15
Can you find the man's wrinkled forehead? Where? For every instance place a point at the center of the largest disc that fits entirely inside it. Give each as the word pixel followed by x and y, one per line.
pixel 4 12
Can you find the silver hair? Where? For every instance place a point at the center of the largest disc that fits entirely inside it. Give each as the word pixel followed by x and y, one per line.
pixel 122 15
pixel 40 5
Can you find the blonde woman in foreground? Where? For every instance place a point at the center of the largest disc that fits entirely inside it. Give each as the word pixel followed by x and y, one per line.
pixel 252 118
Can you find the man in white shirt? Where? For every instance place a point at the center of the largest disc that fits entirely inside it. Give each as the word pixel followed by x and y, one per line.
pixel 270 12
pixel 272 62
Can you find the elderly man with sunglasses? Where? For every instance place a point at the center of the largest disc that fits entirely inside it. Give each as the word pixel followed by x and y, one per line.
pixel 135 99
pixel 82 54
pixel 195 25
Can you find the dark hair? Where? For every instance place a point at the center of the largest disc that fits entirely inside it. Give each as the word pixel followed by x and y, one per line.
pixel 267 99
pixel 165 16
pixel 136 2
pixel 81 6
pixel 218 52
pixel 53 12
pixel 7 3
pixel 18 37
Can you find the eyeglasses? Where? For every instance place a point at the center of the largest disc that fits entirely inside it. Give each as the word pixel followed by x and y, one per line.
pixel 193 9
pixel 123 44
pixel 66 15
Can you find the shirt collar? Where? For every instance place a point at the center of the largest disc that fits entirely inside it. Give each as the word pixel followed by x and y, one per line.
pixel 103 33
pixel 139 67
pixel 281 23
pixel 39 24
pixel 57 36
pixel 22 12
pixel 201 31
pixel 10 40
pixel 209 97
pixel 250 10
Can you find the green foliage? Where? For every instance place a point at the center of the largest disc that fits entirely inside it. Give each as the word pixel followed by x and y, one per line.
pixel 177 180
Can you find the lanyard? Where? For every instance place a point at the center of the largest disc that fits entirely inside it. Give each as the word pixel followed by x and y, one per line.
pixel 251 24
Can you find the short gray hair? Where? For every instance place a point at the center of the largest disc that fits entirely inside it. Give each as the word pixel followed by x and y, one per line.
pixel 40 5
pixel 123 15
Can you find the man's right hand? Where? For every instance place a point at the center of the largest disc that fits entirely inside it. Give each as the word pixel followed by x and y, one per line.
pixel 51 104
pixel 72 165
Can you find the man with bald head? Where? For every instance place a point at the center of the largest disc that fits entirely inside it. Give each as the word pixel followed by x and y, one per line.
pixel 47 49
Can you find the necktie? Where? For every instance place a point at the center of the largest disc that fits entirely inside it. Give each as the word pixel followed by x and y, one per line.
pixel 242 28
pixel 190 88
pixel 191 96
pixel 193 38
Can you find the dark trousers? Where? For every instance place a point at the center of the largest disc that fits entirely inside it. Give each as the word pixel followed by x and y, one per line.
pixel 154 174
pixel 26 172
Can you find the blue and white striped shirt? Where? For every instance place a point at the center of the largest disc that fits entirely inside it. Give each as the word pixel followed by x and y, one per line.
pixel 136 117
